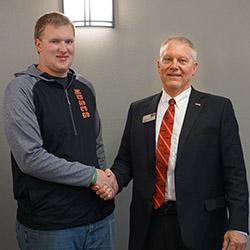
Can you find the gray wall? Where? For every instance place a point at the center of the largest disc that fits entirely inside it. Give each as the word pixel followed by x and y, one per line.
pixel 121 64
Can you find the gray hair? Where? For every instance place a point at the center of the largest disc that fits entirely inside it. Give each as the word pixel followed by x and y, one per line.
pixel 180 39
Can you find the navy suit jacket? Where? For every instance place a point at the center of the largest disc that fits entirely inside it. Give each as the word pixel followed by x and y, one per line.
pixel 210 176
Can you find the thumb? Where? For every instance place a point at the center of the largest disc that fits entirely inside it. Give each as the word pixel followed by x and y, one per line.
pixel 108 172
pixel 95 187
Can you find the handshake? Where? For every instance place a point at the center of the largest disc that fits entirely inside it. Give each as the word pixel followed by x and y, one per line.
pixel 106 186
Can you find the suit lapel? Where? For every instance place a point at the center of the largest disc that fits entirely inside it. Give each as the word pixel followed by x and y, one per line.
pixel 195 105
pixel 149 129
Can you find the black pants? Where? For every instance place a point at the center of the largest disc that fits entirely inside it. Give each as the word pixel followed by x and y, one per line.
pixel 164 231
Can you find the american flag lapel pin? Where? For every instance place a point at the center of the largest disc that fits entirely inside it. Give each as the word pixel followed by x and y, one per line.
pixel 197 104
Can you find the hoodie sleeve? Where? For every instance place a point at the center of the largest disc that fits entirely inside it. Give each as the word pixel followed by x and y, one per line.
pixel 99 141
pixel 26 144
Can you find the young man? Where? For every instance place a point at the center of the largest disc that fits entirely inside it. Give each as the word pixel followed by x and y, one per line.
pixel 182 149
pixel 54 132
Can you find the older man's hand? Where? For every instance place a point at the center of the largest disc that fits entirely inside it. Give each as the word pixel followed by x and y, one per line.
pixel 234 240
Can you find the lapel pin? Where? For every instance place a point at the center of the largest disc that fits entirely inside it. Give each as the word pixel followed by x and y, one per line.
pixel 197 104
pixel 149 117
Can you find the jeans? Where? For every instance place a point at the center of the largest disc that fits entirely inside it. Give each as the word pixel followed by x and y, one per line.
pixel 96 236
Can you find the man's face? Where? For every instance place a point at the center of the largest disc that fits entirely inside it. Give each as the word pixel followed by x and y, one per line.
pixel 56 48
pixel 176 67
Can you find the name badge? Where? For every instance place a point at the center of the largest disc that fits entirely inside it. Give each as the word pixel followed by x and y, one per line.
pixel 149 118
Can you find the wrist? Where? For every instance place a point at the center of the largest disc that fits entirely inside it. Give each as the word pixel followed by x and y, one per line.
pixel 94 178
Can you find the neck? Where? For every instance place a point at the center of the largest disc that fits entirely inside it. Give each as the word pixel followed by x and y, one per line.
pixel 44 69
pixel 175 92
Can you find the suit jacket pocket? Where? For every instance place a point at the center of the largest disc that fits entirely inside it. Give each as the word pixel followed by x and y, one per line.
pixel 215 203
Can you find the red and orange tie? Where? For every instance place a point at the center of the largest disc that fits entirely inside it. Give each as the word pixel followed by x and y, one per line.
pixel 162 154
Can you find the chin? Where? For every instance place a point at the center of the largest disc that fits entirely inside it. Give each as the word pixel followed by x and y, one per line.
pixel 174 85
pixel 64 68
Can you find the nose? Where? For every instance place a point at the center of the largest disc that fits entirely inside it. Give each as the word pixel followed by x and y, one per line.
pixel 62 46
pixel 174 64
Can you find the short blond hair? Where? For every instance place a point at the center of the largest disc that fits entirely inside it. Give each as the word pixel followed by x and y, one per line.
pixel 53 18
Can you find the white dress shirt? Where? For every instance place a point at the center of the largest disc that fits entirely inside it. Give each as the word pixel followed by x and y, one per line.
pixel 180 111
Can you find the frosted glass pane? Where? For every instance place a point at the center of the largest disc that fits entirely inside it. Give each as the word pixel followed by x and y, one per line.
pixel 74 9
pixel 89 12
pixel 101 10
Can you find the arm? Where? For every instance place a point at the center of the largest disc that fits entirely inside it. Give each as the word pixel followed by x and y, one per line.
pixel 26 144
pixel 99 143
pixel 235 182
pixel 122 167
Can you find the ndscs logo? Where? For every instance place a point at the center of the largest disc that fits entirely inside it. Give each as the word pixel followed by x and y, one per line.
pixel 82 103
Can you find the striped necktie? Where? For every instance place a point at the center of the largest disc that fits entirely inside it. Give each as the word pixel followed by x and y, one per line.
pixel 162 154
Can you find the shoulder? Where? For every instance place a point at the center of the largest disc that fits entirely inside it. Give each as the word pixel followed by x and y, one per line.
pixel 209 97
pixel 20 85
pixel 146 101
pixel 86 82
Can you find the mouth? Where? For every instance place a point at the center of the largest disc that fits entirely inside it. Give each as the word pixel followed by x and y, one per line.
pixel 62 58
pixel 174 75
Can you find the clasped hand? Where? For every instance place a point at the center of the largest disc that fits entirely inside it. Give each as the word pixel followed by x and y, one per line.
pixel 106 184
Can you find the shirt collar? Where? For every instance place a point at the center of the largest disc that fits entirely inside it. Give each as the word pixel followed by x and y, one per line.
pixel 178 99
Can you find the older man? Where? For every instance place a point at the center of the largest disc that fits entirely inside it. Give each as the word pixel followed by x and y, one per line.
pixel 182 149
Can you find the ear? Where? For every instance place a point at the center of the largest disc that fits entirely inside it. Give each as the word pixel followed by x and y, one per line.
pixel 158 66
pixel 195 68
pixel 38 45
